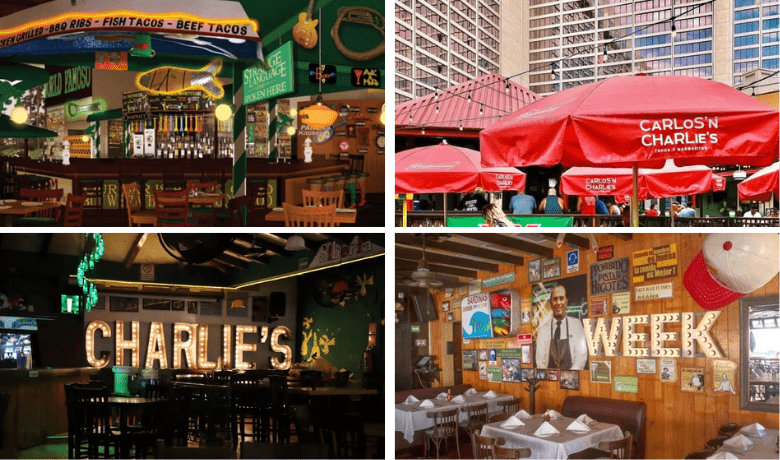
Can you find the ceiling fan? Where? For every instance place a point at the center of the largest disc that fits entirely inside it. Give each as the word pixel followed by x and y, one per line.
pixel 422 276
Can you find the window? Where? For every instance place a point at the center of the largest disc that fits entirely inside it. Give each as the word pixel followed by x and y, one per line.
pixel 759 351
pixel 769 51
pixel 742 15
pixel 770 63
pixel 771 23
pixel 746 40
pixel 749 53
pixel 771 37
pixel 741 3
pixel 746 27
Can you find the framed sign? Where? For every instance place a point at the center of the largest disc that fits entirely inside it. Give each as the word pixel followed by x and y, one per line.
pixel 534 271
pixel 645 366
pixel 261 84
pixel 551 268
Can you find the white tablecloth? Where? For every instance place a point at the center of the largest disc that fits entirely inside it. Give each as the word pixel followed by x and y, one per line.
pixel 411 417
pixel 763 447
pixel 556 446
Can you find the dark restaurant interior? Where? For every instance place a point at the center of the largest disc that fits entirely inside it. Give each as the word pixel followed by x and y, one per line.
pixel 191 345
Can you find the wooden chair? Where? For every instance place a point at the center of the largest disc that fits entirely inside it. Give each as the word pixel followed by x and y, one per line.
pixel 74 211
pixel 510 452
pixel 509 406
pixel 89 423
pixel 135 215
pixel 477 417
pixel 445 426
pixel 171 209
pixel 311 198
pixel 728 429
pixel 622 448
pixel 704 453
pixel 715 443
pixel 499 417
pixel 238 206
pixel 46 217
pixel 92 189
pixel 483 445
pixel 206 214
pixel 298 216
pixel 223 451
pixel 258 189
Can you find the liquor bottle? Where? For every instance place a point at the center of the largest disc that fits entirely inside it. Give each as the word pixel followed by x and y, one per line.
pixel 449 395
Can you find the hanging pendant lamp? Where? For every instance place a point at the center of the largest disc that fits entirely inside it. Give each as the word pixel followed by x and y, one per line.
pixel 318 115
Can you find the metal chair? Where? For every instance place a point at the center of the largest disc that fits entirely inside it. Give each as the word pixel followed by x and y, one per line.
pixel 298 216
pixel 510 452
pixel 258 189
pixel 729 429
pixel 89 422
pixel 74 211
pixel 92 189
pixel 251 408
pixel 445 426
pixel 242 209
pixel 280 408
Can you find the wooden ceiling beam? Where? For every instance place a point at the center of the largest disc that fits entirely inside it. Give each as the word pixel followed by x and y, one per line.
pixel 135 249
pixel 273 243
pixel 570 238
pixel 401 264
pixel 509 242
pixel 463 249
pixel 231 261
pixel 416 254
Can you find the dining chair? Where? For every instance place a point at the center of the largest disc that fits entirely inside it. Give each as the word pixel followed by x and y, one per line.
pixel 258 189
pixel 206 214
pixel 476 417
pixel 222 451
pixel 135 215
pixel 715 443
pixel 46 217
pixel 280 408
pixel 483 445
pixel 279 451
pixel 74 211
pixel 241 209
pixel 729 429
pixel 703 453
pixel 90 417
pixel 622 448
pixel 445 426
pixel 499 417
pixel 511 452
pixel 298 216
pixel 93 190
pixel 314 198
pixel 509 406
pixel 251 405
pixel 171 209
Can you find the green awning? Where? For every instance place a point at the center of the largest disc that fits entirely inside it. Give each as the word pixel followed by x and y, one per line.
pixel 107 115
pixel 9 129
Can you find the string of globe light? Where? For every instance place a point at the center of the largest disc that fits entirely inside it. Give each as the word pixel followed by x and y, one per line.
pixel 585 49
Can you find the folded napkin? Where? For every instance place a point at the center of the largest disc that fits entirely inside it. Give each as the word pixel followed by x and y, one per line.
pixel 411 400
pixel 578 426
pixel 723 454
pixel 756 430
pixel 522 414
pixel 470 392
pixel 441 395
pixel 738 442
pixel 512 422
pixel 426 404
pixel 553 415
pixel 585 419
pixel 490 394
pixel 459 399
pixel 546 429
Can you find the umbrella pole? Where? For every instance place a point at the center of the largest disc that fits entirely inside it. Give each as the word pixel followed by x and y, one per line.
pixel 634 201
pixel 445 209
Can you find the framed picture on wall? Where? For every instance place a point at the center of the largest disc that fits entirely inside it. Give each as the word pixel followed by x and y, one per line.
pixel 236 309
pixel 570 380
pixel 450 316
pixel 211 308
pixel 178 305
pixel 192 307
pixel 126 304
pixel 525 353
pixel 445 306
pixel 535 271
pixel 483 355
pixel 157 304
pixel 551 268
pixel 259 309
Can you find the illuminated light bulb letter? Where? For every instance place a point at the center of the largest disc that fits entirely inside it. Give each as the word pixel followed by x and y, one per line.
pixel 264 334
pixel 599 336
pixel 120 345
pixel 241 347
pixel 203 348
pixel 659 336
pixel 630 337
pixel 156 348
pixel 226 340
pixel 701 334
pixel 280 331
pixel 188 346
pixel 90 344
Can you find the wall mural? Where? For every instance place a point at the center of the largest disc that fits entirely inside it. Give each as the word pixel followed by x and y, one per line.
pixel 333 291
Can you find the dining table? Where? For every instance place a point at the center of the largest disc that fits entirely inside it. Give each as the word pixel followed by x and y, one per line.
pixel 343 215
pixel 411 417
pixel 558 445
pixel 763 446
pixel 20 208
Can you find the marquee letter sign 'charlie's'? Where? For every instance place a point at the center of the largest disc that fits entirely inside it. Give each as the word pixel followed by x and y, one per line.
pixel 196 341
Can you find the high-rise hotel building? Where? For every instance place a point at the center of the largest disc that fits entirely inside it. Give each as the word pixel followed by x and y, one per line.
pixel 443 42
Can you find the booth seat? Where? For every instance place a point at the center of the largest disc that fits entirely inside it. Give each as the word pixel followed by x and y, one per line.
pixel 630 416
pixel 422 393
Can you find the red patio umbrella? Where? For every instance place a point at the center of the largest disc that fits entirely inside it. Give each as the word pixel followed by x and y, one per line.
pixel 636 121
pixel 761 185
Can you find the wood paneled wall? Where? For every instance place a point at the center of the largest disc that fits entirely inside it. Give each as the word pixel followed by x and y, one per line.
pixel 677 422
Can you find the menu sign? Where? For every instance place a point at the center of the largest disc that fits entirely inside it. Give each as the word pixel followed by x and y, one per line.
pixel 184 101
pixel 656 263
pixel 261 84
pixel 115 140
pixel 135 102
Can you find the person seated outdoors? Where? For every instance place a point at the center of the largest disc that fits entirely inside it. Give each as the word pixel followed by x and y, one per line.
pixel 753 211
pixel 687 211
pixel 586 205
pixel 601 208
pixel 625 218
pixel 473 202
pixel 495 217
pixel 652 211
pixel 552 204
pixel 522 203
pixel 613 209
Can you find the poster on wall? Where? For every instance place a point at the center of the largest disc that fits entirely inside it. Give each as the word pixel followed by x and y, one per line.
pixel 601 371
pixel 492 357
pixel 483 355
pixel 626 384
pixel 645 366
pixel 575 290
pixel 668 370
pixel 525 311
pixel 599 305
pixel 553 375
pixel 653 292
pixel 570 380
pixel 621 303
pixel 476 317
pixel 526 375
pixel 541 374
pixel 534 271
pixel 551 268
pixel 510 369
pixel 609 276
pixel 505 312
pixel 723 376
pixel 469 360
pixel 692 379
pixel 494 374
pixel 656 263
pixel 483 370
pixel 525 353
pixel 573 261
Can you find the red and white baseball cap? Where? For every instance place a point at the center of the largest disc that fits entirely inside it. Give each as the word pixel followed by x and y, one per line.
pixel 730 266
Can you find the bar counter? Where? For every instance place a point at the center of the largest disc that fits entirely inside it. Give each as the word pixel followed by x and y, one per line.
pixel 291 177
pixel 37 406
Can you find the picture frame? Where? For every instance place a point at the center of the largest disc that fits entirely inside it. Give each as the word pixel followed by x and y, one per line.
pixel 551 268
pixel 150 303
pixel 601 372
pixel 483 355
pixel 534 271
pixel 553 375
pixel 450 316
pixel 645 366
pixel 570 380
pixel 122 303
pixel 541 374
pixel 525 353
pixel 445 306
pixel 178 305
pixel 526 374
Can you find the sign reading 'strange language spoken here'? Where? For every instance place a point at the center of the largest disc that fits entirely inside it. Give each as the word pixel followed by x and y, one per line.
pixel 262 84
